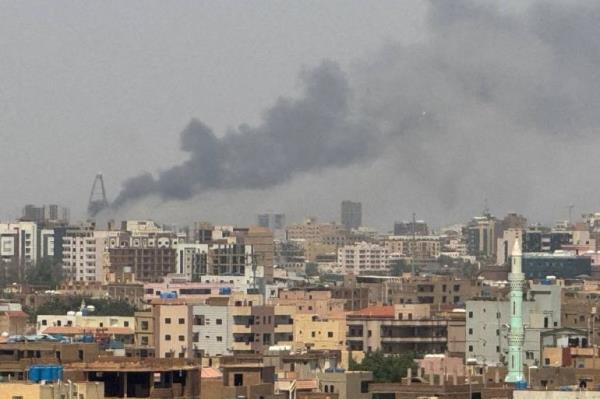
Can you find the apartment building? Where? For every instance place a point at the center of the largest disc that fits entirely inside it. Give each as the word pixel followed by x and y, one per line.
pixel 481 235
pixel 403 328
pixel 85 253
pixel 487 318
pixel 317 332
pixel 310 301
pixel 363 258
pixel 145 338
pixel 150 255
pixel 420 247
pixel 310 230
pixel 437 291
pixel 18 243
pixel 261 240
pixel 212 327
pixel 172 328
pixel 45 324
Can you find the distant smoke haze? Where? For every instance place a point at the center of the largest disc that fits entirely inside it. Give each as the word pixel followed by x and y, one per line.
pixel 489 105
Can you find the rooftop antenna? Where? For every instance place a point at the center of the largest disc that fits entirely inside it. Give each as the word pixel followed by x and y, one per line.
pixel 414 243
pixel 98 199
pixel 486 209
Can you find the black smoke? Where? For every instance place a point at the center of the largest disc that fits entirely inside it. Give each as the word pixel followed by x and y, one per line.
pixel 489 104
pixel 297 135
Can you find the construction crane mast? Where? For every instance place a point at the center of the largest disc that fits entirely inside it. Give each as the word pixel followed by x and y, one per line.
pixel 98 199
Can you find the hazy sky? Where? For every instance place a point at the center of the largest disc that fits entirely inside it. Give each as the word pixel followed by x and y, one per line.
pixel 108 86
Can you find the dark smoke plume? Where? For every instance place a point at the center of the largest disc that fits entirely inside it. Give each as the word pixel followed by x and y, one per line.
pixel 490 104
pixel 313 132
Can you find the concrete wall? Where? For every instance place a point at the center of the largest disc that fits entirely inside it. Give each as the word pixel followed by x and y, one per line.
pixel 209 333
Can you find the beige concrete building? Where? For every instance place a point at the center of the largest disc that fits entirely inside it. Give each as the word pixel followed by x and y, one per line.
pixel 420 247
pixel 263 247
pixel 318 333
pixel 28 390
pixel 310 301
pixel 172 328
pixel 348 385
pixel 363 258
pixel 403 328
pixel 310 230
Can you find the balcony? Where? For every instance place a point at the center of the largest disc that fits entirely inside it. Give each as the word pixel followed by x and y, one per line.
pixel 284 328
pixel 242 346
pixel 413 339
pixel 241 329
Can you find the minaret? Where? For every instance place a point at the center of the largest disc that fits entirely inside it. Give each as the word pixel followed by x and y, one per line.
pixel 516 334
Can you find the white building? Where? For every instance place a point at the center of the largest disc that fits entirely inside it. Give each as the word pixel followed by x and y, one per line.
pixel 18 242
pixel 506 243
pixel 362 257
pixel 190 259
pixel 488 320
pixel 85 254
pixel 211 330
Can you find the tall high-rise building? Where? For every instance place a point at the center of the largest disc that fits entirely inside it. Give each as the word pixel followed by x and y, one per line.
pixel 481 236
pixel 273 221
pixel 351 214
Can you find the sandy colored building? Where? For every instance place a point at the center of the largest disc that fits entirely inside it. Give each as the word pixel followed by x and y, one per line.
pixel 403 328
pixel 310 301
pixel 77 319
pixel 320 332
pixel 172 328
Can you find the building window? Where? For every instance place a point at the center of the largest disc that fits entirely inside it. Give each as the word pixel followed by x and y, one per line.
pixel 44 322
pixel 470 331
pixel 312 334
pixel 219 339
pixel 219 322
pixel 364 387
pixel 547 361
pixel 497 349
pixel 168 320
pixel 470 315
pixel 181 321
pixel 181 338
pixel 144 340
pixel 144 325
pixel 470 348
pixel 329 334
pixel 238 379
pixel 167 337
pixel 126 324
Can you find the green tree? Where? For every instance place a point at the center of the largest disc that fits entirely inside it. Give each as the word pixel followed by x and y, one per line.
pixel 385 368
pixel 47 272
